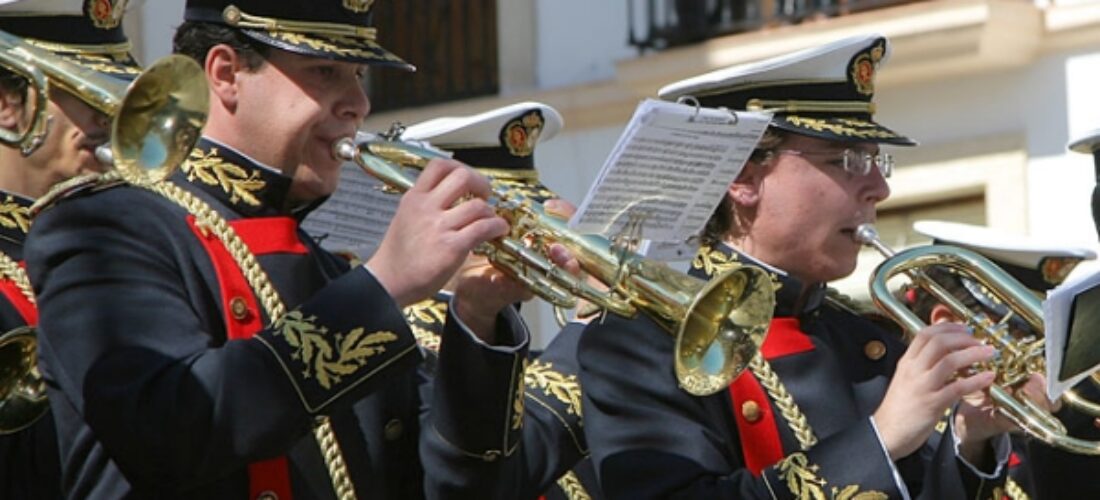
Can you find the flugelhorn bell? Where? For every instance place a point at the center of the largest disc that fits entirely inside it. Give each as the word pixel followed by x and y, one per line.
pixel 1016 359
pixel 719 325
pixel 156 119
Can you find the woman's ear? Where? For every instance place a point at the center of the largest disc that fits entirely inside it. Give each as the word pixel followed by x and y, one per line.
pixel 222 65
pixel 745 190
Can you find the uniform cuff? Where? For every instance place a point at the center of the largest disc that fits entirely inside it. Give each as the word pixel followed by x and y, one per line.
pixel 346 339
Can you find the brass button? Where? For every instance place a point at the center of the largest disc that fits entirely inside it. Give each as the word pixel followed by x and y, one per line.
pixel 874 350
pixel 267 495
pixel 238 308
pixel 393 430
pixel 751 411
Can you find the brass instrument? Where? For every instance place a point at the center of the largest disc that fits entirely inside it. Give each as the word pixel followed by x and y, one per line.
pixel 156 118
pixel 22 390
pixel 719 325
pixel 156 122
pixel 1016 359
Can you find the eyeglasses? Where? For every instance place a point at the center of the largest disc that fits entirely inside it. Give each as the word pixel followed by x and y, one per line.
pixel 853 162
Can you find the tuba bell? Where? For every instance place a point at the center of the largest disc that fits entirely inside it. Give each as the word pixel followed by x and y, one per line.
pixel 156 120
pixel 1016 360
pixel 719 325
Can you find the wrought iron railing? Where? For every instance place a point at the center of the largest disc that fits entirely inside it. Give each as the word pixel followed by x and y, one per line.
pixel 659 24
pixel 453 43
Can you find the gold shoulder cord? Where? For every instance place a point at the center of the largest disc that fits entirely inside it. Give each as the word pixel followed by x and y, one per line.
pixel 208 218
pixel 10 269
pixel 571 485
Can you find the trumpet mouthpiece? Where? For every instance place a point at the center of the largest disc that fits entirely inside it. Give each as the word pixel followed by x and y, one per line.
pixel 865 234
pixel 344 149
pixel 104 155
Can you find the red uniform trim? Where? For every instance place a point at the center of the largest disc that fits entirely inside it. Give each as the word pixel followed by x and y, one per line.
pixel 261 236
pixel 760 442
pixel 20 302
pixel 270 235
pixel 785 338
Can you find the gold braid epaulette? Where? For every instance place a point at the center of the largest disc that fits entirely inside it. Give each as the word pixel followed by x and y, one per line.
pixel 206 217
pixel 788 409
pixel 87 183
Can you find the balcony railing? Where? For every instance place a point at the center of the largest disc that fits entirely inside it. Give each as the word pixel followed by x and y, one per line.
pixel 659 24
pixel 453 44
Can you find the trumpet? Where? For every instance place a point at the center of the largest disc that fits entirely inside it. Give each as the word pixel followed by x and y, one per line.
pixel 1016 359
pixel 156 121
pixel 718 325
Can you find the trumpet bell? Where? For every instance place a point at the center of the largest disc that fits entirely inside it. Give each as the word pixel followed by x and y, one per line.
pixel 22 390
pixel 160 118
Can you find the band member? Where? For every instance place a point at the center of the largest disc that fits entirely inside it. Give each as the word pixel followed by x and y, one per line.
pixel 1090 144
pixel 197 344
pixel 833 406
pixel 1039 266
pixel 92 41
pixel 501 143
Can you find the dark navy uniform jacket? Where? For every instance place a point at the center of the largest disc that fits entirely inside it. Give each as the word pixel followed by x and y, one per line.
pixel 798 426
pixel 1060 474
pixel 151 397
pixel 28 458
pixel 540 454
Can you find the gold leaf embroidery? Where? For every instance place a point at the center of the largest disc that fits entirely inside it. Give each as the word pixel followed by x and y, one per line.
pixel 851 128
pixel 328 365
pixel 564 388
pixel 802 479
pixel 349 47
pixel 712 261
pixel 13 215
pixel 212 170
pixel 426 318
pixel 517 401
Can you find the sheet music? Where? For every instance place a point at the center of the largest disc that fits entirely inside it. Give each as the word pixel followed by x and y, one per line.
pixel 355 218
pixel 671 167
pixel 1071 320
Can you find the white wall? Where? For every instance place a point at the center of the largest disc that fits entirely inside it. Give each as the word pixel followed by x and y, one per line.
pixel 579 40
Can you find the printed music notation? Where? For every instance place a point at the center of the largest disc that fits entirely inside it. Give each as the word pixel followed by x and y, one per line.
pixel 357 215
pixel 670 169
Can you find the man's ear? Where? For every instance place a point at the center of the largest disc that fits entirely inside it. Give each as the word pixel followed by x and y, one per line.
pixel 222 66
pixel 12 109
pixel 942 314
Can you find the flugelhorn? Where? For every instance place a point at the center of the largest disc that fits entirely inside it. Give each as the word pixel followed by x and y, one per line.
pixel 719 325
pixel 156 121
pixel 1016 359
